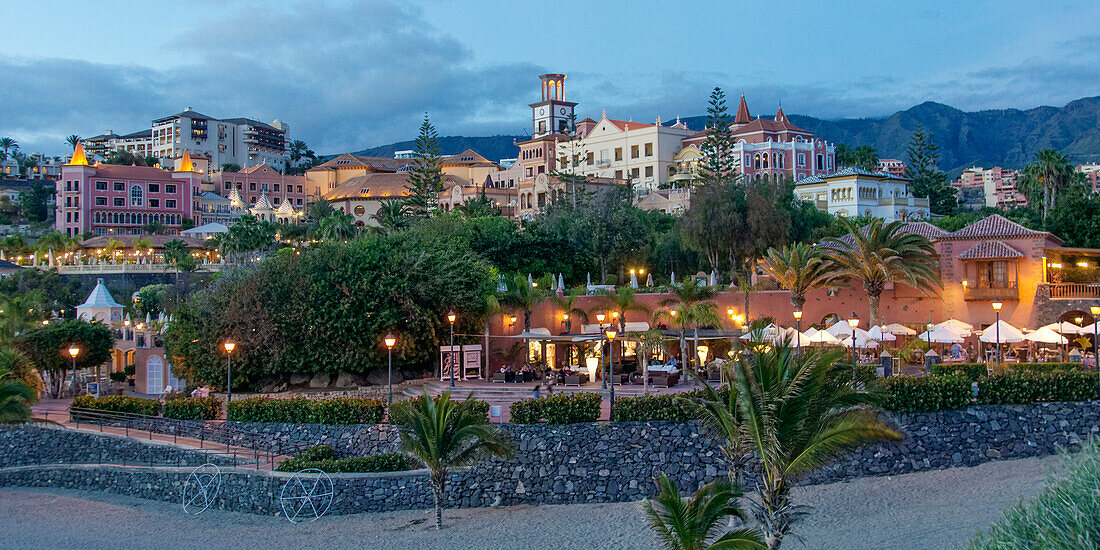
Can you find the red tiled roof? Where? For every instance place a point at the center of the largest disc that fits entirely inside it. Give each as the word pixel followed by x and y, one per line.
pixel 763 124
pixel 622 124
pixel 991 250
pixel 996 226
pixel 135 172
pixel 926 230
pixel 743 116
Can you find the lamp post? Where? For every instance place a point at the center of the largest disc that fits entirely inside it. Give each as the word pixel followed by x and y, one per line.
pixel 997 331
pixel 600 316
pixel 853 322
pixel 229 345
pixel 1095 310
pixel 611 368
pixel 74 350
pixel 390 341
pixel 451 350
pixel 798 332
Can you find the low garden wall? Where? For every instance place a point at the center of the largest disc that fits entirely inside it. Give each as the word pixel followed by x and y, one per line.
pixel 25 445
pixel 600 462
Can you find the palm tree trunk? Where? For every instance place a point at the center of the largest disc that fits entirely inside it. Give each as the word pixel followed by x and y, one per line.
pixel 696 354
pixel 873 300
pixel 683 350
pixel 438 482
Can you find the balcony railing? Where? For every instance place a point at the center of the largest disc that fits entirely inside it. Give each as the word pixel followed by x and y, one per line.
pixel 1074 291
pixel 1008 293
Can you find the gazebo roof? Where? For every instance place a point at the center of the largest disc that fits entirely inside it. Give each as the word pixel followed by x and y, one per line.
pixel 100 297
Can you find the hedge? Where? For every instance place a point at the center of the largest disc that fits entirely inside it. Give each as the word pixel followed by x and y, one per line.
pixel 118 403
pixel 974 371
pixel 1029 387
pixel 563 408
pixel 928 393
pixel 671 407
pixel 302 410
pixel 193 408
pixel 479 408
pixel 322 458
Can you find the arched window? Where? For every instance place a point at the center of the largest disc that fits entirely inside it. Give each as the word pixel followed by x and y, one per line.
pixel 756 161
pixel 765 161
pixel 135 195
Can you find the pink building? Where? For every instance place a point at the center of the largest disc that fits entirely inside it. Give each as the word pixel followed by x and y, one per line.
pixel 108 199
pixel 776 147
pixel 894 167
pixel 1091 172
pixel 255 180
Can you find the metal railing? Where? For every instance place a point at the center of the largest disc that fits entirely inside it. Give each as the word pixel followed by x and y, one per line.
pixel 1070 291
pixel 1009 293
pixel 213 436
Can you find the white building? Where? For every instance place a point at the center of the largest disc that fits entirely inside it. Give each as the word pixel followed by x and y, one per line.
pixel 854 192
pixel 241 141
pixel 641 153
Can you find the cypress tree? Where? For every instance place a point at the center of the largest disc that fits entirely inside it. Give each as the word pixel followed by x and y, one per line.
pixel 426 176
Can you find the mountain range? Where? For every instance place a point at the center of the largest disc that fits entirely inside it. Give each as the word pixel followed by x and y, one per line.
pixel 995 137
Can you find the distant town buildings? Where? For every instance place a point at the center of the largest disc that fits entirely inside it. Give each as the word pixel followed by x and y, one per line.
pixel 998 186
pixel 894 167
pixel 241 141
pixel 1092 175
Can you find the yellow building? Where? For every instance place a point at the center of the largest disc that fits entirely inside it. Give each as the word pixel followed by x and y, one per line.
pixel 336 172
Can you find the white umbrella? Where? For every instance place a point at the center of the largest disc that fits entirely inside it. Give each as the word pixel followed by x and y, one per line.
pixel 900 330
pixel 824 337
pixel 941 335
pixel 1066 327
pixel 876 333
pixel 862 342
pixel 840 329
pixel 767 334
pixel 957 326
pixel 1002 331
pixel 810 332
pixel 1046 336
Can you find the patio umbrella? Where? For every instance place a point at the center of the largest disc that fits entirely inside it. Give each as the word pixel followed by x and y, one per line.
pixel 1066 327
pixel 824 337
pixel 958 326
pixel 862 342
pixel 767 334
pixel 941 335
pixel 795 338
pixel 810 332
pixel 1008 334
pixel 840 329
pixel 876 333
pixel 899 330
pixel 1046 336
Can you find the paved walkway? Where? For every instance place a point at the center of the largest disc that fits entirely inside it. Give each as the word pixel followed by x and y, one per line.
pixel 929 510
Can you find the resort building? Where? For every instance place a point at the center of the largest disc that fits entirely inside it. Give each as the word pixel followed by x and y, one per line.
pixel 325 178
pixel 253 182
pixel 894 167
pixel 639 153
pixel 998 185
pixel 138 143
pixel 855 192
pixel 109 199
pixel 362 196
pixel 1092 175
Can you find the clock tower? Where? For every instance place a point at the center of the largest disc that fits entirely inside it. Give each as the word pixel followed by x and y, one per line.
pixel 553 113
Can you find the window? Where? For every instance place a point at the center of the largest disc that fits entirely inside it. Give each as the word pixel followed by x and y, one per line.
pixel 154 203
pixel 649 149
pixel 170 189
pixel 633 151
pixel 649 171
pixel 802 159
pixel 170 203
pixel 299 188
pixel 136 196
pixel 359 210
pixel 119 201
pixel 119 186
pixel 618 174
pixel 591 159
pixel 251 186
pixel 154 188
pixel 820 162
pixel 618 153
pixel 276 187
pixel 100 186
pixel 101 201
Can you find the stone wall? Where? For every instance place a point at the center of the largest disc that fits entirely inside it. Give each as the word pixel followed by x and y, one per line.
pixel 26 445
pixel 616 462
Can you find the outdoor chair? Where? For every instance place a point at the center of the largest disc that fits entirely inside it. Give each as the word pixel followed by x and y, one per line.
pixel 714 375
pixel 499 377
pixel 665 379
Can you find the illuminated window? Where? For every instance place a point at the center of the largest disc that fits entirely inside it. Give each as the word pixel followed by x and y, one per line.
pixel 136 196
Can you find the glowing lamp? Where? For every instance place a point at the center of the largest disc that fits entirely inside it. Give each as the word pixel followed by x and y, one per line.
pixel 853 321
pixel 611 333
pixel 600 316
pixel 390 340
pixel 798 314
pixel 451 316
pixel 74 351
pixel 229 345
pixel 997 306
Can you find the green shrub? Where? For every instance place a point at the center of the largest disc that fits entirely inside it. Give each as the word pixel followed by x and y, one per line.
pixel 479 408
pixel 193 408
pixel 1065 515
pixel 129 370
pixel 562 408
pixel 118 377
pixel 928 393
pixel 1045 367
pixel 323 458
pixel 118 403
pixel 972 371
pixel 1028 387
pixel 302 410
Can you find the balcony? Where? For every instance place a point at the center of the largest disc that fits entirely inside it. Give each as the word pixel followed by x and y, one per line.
pixel 1008 293
pixel 1074 291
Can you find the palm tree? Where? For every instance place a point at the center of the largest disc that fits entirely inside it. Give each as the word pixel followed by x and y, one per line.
pixel 883 253
pixel 336 226
pixel 478 207
pixel 444 434
pixel 696 523
pixel 786 416
pixel 319 210
pixel 6 145
pixel 690 305
pixel 621 300
pixel 392 215
pixel 1043 179
pixel 178 255
pixel 567 303
pixel 798 269
pixel 73 140
pixel 15 398
pixel 523 296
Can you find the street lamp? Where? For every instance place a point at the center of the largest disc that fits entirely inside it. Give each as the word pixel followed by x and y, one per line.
pixel 600 316
pixel 451 350
pixel 74 350
pixel 390 341
pixel 798 332
pixel 853 322
pixel 229 345
pixel 611 368
pixel 1095 310
pixel 997 308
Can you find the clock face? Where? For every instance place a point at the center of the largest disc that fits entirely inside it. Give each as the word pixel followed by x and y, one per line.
pixel 542 111
pixel 562 110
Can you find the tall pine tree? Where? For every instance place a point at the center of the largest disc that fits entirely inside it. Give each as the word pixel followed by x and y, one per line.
pixel 719 165
pixel 927 179
pixel 426 176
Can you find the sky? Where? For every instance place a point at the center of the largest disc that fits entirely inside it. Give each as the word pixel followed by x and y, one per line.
pixel 351 74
